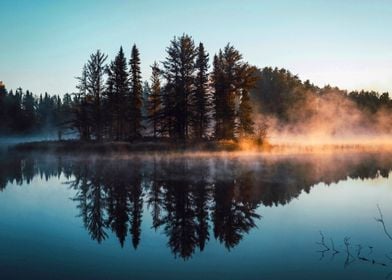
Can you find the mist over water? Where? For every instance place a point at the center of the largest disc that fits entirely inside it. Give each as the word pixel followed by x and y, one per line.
pixel 300 113
pixel 50 136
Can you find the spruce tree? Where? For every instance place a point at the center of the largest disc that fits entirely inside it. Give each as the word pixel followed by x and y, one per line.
pixel 245 127
pixel 201 99
pixel 218 95
pixel 179 69
pixel 95 87
pixel 3 115
pixel 29 114
pixel 135 98
pixel 146 92
pixel 231 77
pixel 118 94
pixel 82 120
pixel 155 102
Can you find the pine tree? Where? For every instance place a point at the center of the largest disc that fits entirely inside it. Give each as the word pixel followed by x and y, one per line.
pixel 16 113
pixel 155 103
pixel 201 98
pixel 117 94
pixel 179 69
pixel 136 102
pixel 245 116
pixel 232 77
pixel 29 115
pixel 3 113
pixel 219 95
pixel 246 82
pixel 95 87
pixel 82 120
pixel 146 92
pixel 66 112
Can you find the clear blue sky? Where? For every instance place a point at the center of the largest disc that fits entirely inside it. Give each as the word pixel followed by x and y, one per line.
pixel 347 43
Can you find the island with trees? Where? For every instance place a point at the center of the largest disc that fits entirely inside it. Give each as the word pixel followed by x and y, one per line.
pixel 192 100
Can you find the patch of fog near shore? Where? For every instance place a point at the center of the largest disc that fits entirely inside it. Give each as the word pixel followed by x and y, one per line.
pixel 12 140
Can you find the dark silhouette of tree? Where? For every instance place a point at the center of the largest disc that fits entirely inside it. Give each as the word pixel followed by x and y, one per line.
pixel 245 116
pixel 117 94
pixel 29 112
pixel 201 98
pixel 82 107
pixel 145 109
pixel 231 77
pixel 219 95
pixel 16 110
pixel 276 90
pixel 3 108
pixel 179 69
pixel 155 102
pixel 95 88
pixel 135 100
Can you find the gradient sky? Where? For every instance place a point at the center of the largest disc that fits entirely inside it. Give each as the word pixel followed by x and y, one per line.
pixel 347 43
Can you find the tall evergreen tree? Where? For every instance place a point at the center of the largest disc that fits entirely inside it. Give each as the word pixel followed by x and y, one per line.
pixel 3 107
pixel 201 99
pixel 118 91
pixel 82 120
pixel 155 103
pixel 136 102
pixel 16 111
pixel 145 104
pixel 219 95
pixel 245 126
pixel 179 69
pixel 95 87
pixel 29 113
pixel 231 78
pixel 246 83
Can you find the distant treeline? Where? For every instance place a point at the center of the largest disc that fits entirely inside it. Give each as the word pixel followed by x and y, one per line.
pixel 281 94
pixel 184 98
pixel 22 113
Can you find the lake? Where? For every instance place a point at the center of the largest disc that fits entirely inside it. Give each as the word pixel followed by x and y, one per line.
pixel 219 216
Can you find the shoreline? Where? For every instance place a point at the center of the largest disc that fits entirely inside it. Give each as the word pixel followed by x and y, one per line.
pixel 192 148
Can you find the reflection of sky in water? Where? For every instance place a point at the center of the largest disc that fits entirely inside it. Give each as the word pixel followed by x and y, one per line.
pixel 41 236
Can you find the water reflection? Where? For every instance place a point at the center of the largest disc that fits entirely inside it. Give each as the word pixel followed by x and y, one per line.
pixel 189 199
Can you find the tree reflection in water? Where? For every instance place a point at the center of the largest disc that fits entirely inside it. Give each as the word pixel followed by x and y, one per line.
pixel 189 199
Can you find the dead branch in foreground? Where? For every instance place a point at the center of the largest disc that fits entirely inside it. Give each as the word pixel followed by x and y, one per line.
pixel 381 220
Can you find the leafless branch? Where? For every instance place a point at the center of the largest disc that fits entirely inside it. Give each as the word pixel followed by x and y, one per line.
pixel 322 243
pixel 381 220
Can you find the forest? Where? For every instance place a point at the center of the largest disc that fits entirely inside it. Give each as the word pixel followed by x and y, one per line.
pixel 189 96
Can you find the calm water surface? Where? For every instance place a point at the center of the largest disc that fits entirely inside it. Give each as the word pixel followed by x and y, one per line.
pixel 221 217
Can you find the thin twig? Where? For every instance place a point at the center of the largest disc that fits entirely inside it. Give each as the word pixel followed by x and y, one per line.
pixel 333 249
pixel 322 243
pixel 381 220
pixel 347 261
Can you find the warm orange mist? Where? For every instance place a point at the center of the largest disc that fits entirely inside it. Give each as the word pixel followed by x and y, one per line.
pixel 331 120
